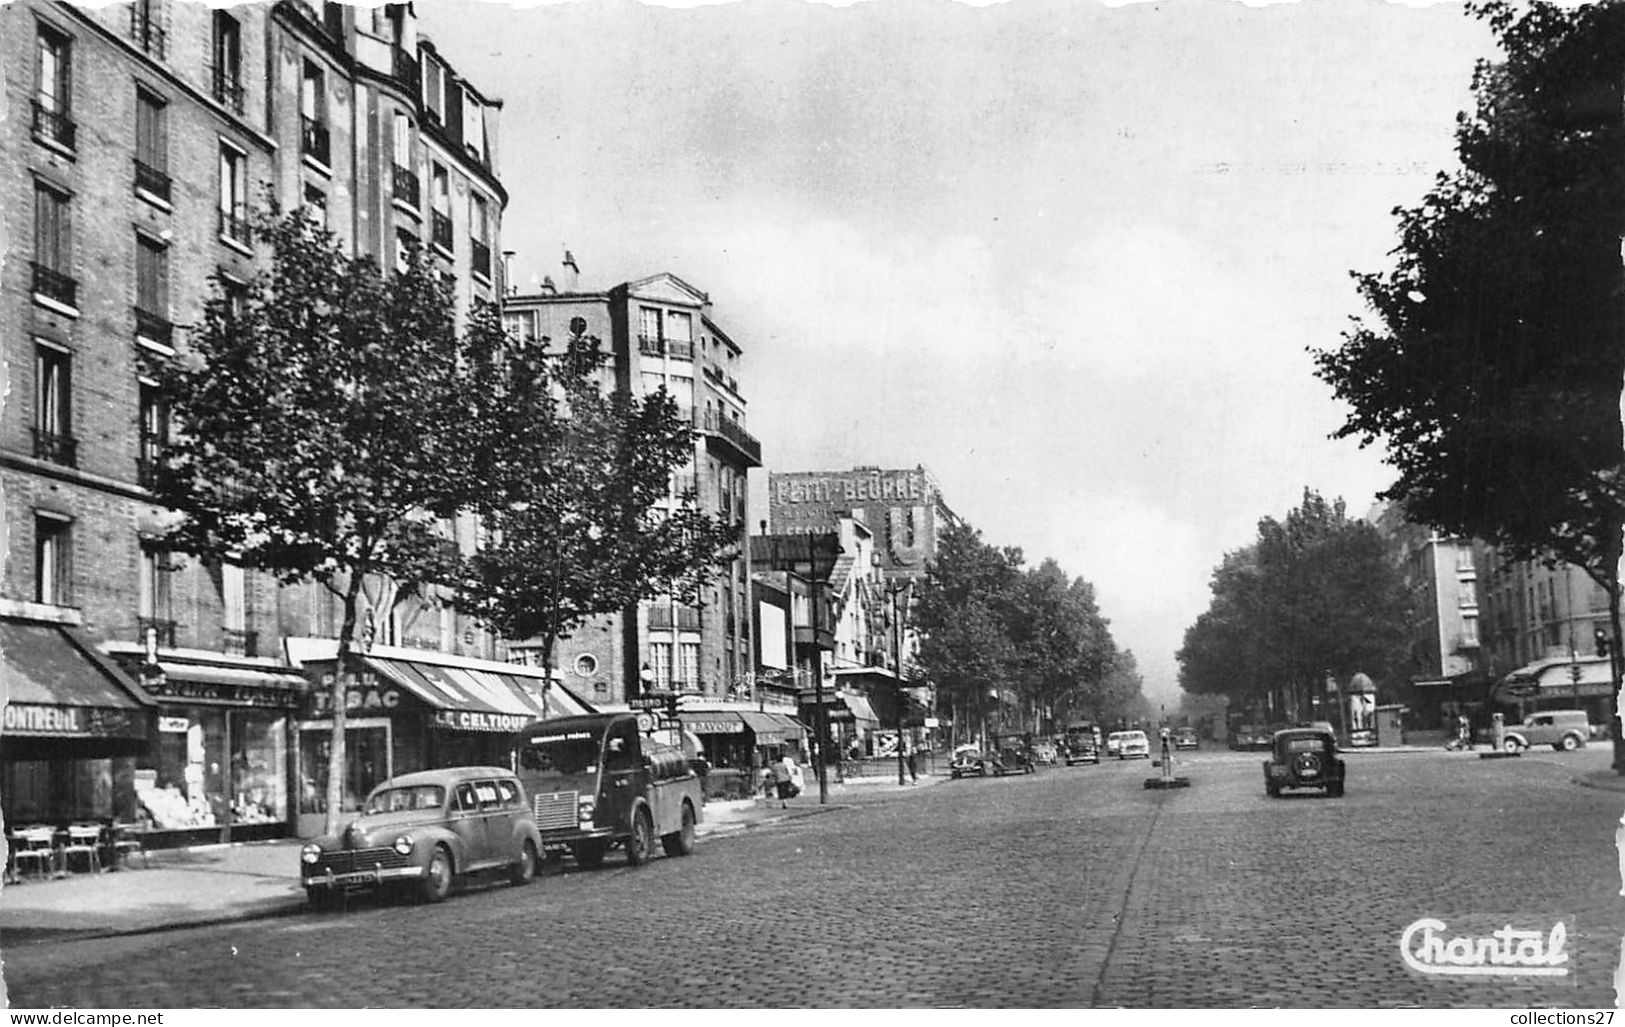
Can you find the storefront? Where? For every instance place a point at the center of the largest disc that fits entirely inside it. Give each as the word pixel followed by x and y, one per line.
pixel 408 710
pixel 74 727
pixel 218 768
pixel 1584 683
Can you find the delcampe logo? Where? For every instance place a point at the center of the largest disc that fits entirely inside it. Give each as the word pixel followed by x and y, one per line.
pixel 1429 946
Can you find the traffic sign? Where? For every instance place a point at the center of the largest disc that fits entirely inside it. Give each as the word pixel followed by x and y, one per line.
pixel 651 701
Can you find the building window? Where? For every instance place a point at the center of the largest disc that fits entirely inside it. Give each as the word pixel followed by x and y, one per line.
pixel 680 334
pixel 316 204
pixel 53 552
pixel 440 218
pixel 53 405
pixel 152 289
pixel 406 180
pixel 434 90
pixel 151 145
pixel 233 194
pixel 154 431
pixel 1469 632
pixel 155 605
pixel 660 660
pixel 235 292
pixel 688 678
pixel 228 61
pixel 314 141
pixel 144 27
pixel 52 252
pixel 406 245
pixel 237 638
pixel 474 127
pixel 53 88
pixel 479 231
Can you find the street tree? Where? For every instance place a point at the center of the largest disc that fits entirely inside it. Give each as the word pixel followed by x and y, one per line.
pixel 312 417
pixel 1314 594
pixel 1063 644
pixel 577 512
pixel 1490 365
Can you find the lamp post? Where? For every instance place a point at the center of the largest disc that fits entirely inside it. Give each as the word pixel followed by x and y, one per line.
pixel 894 592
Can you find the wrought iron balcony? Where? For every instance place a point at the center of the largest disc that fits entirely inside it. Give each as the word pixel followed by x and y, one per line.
pixel 730 437
pixel 406 186
pixel 54 285
pixel 240 642
pixel 150 180
pixel 650 346
pixel 58 449
pixel 146 471
pixel 147 35
pixel 153 328
pixel 314 141
pixel 53 124
pixel 228 90
pixel 234 226
pixel 681 349
pixel 165 630
pixel 479 257
pixel 440 229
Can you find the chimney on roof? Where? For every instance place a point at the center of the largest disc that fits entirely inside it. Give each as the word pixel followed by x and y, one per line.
pixel 572 277
pixel 548 287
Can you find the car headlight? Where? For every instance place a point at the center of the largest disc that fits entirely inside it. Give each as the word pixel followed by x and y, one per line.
pixel 403 845
pixel 585 809
pixel 310 853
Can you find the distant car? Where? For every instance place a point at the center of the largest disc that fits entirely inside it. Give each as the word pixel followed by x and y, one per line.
pixel 426 831
pixel 1563 730
pixel 971 763
pixel 1044 752
pixel 1303 757
pixel 1082 743
pixel 1185 738
pixel 1129 745
pixel 1012 760
pixel 1248 737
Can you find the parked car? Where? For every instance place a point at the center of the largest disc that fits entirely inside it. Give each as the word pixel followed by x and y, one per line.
pixel 1560 729
pixel 1303 757
pixel 1082 743
pixel 971 763
pixel 1044 752
pixel 428 830
pixel 1128 745
pixel 1012 759
pixel 1248 737
pixel 1185 738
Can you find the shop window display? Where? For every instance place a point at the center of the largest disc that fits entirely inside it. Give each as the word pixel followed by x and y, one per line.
pixel 184 784
pixel 258 758
pixel 366 758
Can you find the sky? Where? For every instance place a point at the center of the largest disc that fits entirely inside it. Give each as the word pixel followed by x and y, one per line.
pixel 1070 257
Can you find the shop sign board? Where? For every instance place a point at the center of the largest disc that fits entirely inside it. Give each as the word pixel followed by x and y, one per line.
pixel 174 725
pixel 714 727
pixel 366 695
pixel 165 687
pixel 70 721
pixel 479 720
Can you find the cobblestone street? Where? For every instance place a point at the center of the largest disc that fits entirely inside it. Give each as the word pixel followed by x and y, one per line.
pixel 1070 887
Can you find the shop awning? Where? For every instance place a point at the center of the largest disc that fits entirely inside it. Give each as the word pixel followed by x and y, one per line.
pixel 237 686
pixel 58 686
pixel 1555 678
pixel 772 728
pixel 473 698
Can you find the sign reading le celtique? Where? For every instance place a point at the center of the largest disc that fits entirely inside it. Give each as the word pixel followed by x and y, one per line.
pixel 477 720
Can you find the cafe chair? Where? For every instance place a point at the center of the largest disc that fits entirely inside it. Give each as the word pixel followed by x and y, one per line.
pixel 125 843
pixel 84 840
pixel 34 845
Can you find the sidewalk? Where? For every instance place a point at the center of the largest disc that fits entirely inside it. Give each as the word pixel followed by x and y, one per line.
pixel 1604 779
pixel 223 883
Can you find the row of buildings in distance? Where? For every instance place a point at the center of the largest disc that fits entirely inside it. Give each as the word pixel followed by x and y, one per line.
pixel 188 700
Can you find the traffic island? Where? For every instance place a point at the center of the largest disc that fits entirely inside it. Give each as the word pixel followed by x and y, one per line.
pixel 1166 779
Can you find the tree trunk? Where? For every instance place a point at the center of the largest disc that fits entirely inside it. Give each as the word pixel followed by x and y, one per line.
pixel 335 755
pixel 1614 664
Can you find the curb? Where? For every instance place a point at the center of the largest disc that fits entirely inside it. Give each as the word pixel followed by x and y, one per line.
pixel 777 818
pixel 50 936
pixel 1586 782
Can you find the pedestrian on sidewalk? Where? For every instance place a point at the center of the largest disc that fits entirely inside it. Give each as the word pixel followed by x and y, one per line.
pixel 908 758
pixel 785 773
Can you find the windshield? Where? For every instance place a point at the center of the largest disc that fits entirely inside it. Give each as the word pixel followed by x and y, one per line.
pixel 1134 736
pixel 399 800
pixel 562 756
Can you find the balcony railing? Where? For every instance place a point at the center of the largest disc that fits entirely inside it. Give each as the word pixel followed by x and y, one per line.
pixel 440 229
pixel 153 328
pixel 234 226
pixel 717 426
pixel 228 90
pixel 314 141
pixel 479 257
pixel 150 180
pixel 53 124
pixel 681 349
pixel 406 186
pixel 240 642
pixel 54 285
pixel 650 346
pixel 146 471
pixel 58 449
pixel 147 35
pixel 165 630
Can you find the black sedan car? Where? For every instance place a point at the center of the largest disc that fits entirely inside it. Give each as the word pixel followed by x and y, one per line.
pixel 1304 758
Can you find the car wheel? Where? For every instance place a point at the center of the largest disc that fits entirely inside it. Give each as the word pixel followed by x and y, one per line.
pixel 1510 745
pixel 640 847
pixel 1335 789
pixel 1274 791
pixel 681 842
pixel 1569 743
pixel 525 869
pixel 436 884
pixel 589 853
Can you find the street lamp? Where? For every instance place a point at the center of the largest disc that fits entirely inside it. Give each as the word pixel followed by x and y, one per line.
pixel 894 592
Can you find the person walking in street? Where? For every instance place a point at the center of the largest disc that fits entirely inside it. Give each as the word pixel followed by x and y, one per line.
pixel 908 758
pixel 785 774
